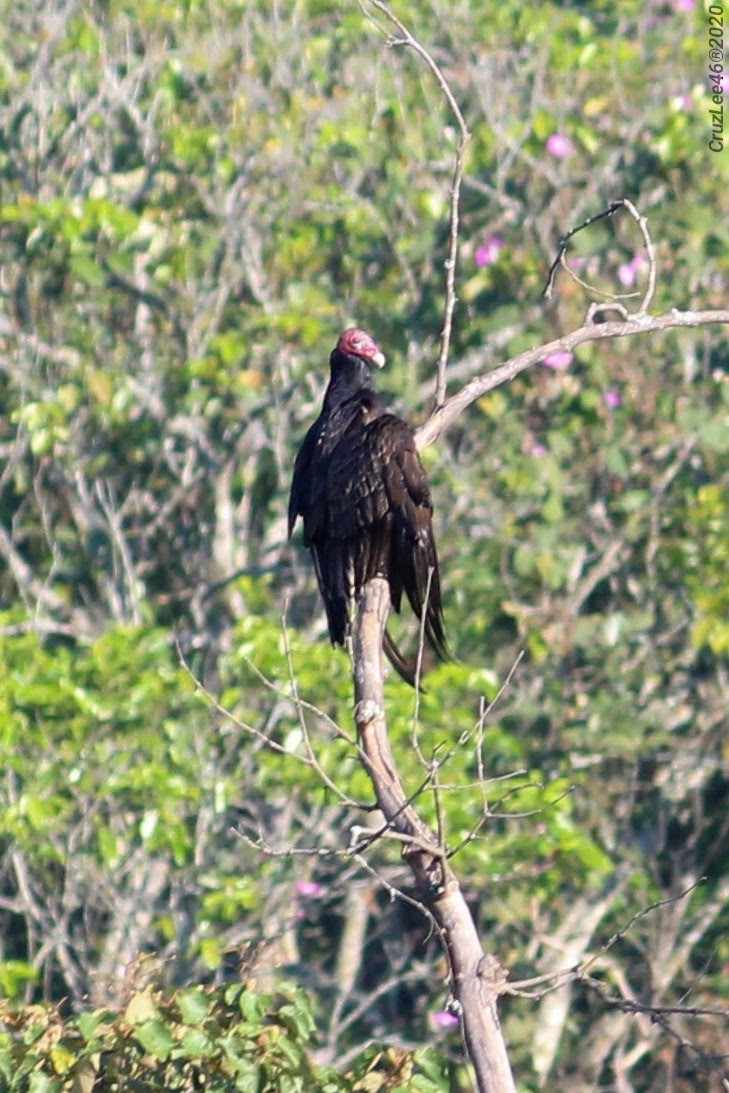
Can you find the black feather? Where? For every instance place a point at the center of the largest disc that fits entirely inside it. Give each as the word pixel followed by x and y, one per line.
pixel 364 497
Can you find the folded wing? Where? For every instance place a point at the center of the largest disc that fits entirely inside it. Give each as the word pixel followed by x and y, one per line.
pixel 379 524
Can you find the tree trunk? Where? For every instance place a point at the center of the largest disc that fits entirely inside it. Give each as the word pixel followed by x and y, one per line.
pixel 477 978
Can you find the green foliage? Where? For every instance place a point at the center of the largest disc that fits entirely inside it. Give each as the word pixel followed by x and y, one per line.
pixel 707 559
pixel 208 194
pixel 85 728
pixel 224 1039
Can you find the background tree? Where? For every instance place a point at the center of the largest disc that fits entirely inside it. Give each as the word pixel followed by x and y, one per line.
pixel 193 202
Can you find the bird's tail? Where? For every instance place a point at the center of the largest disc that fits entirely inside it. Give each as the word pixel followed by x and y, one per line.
pixel 406 669
pixel 432 626
pixel 434 629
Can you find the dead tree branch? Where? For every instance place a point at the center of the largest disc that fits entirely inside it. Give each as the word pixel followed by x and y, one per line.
pixel 439 421
pixel 477 978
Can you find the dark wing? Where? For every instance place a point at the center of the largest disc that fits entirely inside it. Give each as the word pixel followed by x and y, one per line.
pixel 346 522
pixel 414 564
pixel 380 524
pixel 302 498
pixel 308 499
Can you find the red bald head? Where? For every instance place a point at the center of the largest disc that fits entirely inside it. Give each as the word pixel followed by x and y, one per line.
pixel 362 345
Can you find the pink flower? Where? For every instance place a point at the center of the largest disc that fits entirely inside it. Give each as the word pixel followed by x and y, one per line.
pixel 445 1019
pixel 487 254
pixel 558 360
pixel 685 5
pixel 559 146
pixel 628 272
pixel 613 399
pixel 307 889
pixel 627 275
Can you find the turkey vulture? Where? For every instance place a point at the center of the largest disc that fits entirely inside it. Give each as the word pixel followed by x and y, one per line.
pixel 365 501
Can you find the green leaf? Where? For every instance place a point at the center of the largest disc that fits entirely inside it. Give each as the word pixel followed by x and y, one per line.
pixel 41 1083
pixel 248 1076
pixel 89 1023
pixel 298 1018
pixel 14 974
pixel 86 269
pixel 253 1006
pixel 156 1038
pixel 194 1006
pixel 197 1044
pixel 63 1059
pixel 8 1066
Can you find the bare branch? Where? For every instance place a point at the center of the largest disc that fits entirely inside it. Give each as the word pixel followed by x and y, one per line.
pixel 477 978
pixel 613 305
pixel 659 1015
pixel 650 251
pixel 308 760
pixel 407 39
pixel 439 421
pixel 565 240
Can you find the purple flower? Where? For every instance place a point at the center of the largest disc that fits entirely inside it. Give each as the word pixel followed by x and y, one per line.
pixel 307 889
pixel 559 146
pixel 487 254
pixel 558 360
pixel 628 272
pixel 613 399
pixel 445 1019
pixel 538 449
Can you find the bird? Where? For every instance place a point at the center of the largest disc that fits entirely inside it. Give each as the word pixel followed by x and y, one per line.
pixel 363 495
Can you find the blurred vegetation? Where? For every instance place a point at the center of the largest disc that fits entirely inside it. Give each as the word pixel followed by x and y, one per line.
pixel 194 200
pixel 220 1039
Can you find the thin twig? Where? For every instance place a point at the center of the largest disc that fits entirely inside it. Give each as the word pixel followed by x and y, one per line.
pixel 419 670
pixel 632 1005
pixel 650 251
pixel 263 847
pixel 576 971
pixel 659 1015
pixel 564 241
pixel 490 814
pixel 407 39
pixel 397 893
pixel 309 760
pixel 613 207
